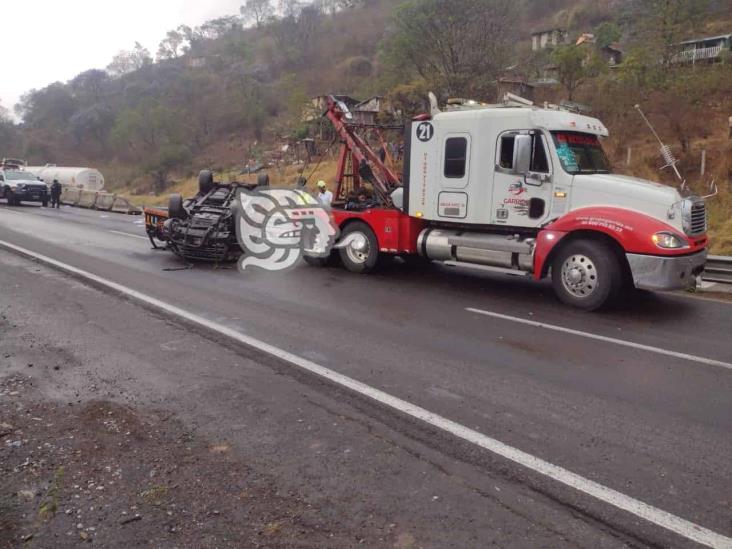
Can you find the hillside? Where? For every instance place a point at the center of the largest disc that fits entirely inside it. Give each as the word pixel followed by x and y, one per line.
pixel 221 95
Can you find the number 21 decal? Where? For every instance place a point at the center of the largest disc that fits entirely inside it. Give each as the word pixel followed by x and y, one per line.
pixel 425 131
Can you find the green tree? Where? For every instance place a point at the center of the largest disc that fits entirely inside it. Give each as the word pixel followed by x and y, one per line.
pixel 10 141
pixel 660 25
pixel 606 33
pixel 458 47
pixel 164 160
pixel 127 61
pixel 173 45
pixel 49 108
pixel 575 64
pixel 256 11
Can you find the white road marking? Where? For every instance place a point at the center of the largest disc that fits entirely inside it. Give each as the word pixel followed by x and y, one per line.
pixel 680 526
pixel 129 234
pixel 623 342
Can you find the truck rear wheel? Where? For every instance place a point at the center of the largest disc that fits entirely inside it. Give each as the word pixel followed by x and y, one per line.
pixel 362 251
pixel 587 274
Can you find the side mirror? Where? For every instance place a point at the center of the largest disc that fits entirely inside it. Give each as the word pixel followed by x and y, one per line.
pixel 522 154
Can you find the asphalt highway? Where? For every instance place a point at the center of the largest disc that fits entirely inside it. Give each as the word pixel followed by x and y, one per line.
pixel 637 400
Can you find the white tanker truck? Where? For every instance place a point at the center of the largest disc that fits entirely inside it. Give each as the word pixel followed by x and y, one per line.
pixel 87 179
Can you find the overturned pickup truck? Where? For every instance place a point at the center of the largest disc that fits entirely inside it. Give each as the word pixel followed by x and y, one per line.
pixel 201 228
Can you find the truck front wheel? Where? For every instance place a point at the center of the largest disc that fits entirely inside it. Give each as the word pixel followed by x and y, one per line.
pixel 361 251
pixel 587 274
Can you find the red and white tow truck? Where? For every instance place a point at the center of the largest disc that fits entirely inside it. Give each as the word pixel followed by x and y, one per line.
pixel 521 190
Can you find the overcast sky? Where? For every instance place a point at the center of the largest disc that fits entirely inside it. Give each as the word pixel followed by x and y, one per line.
pixel 44 41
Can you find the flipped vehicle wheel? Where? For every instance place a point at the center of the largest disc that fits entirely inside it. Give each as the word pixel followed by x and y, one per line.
pixel 205 182
pixel 263 180
pixel 175 207
pixel 361 255
pixel 587 274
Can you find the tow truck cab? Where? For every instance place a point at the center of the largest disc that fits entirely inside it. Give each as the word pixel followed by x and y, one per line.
pixel 504 187
pixel 523 190
pixel 18 186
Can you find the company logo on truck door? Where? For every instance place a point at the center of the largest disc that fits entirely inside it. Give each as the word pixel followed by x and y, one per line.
pixel 517 189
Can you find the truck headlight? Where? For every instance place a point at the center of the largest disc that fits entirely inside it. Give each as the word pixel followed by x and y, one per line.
pixel 669 241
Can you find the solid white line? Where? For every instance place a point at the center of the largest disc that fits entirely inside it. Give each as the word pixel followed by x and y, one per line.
pixel 129 234
pixel 680 526
pixel 649 348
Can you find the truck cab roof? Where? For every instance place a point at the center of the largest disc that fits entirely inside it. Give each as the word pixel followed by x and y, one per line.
pixel 526 117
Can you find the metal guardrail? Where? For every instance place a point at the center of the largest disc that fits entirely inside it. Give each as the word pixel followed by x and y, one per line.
pixel 718 269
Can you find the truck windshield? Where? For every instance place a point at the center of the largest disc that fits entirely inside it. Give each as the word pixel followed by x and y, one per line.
pixel 19 176
pixel 580 153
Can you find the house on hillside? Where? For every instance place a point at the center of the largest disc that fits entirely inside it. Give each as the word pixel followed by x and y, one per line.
pixel 548 38
pixel 366 112
pixel 709 49
pixel 319 104
pixel 516 85
pixel 612 53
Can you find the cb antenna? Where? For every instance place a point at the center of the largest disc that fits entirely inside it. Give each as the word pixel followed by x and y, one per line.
pixel 666 153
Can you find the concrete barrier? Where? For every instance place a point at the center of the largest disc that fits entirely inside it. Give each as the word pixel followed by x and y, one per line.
pixel 87 199
pixel 105 201
pixel 70 196
pixel 122 205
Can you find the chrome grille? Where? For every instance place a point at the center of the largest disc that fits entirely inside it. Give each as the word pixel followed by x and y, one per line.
pixel 698 221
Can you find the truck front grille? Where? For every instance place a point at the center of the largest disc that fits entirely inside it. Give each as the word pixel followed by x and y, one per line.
pixel 698 222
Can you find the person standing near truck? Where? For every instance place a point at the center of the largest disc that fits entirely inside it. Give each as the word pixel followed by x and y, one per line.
pixel 56 194
pixel 325 197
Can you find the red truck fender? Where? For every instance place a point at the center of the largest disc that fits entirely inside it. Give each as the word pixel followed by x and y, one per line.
pixel 631 230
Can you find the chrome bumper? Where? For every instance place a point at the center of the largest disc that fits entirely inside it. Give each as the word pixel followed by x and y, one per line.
pixel 652 272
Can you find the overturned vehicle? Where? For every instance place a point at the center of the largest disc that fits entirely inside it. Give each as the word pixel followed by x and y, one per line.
pixel 201 228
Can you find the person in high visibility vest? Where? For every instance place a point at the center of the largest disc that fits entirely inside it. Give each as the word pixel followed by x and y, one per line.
pixel 325 197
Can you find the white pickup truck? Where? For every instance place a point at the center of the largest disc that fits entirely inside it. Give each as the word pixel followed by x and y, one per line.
pixel 18 186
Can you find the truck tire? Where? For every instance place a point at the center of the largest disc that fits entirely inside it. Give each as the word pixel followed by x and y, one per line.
pixel 262 181
pixel 362 254
pixel 175 207
pixel 587 274
pixel 205 182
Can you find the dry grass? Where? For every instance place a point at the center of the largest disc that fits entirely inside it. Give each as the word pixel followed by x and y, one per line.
pixel 279 177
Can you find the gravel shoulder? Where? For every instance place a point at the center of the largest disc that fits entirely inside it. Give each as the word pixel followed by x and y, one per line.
pixel 98 471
